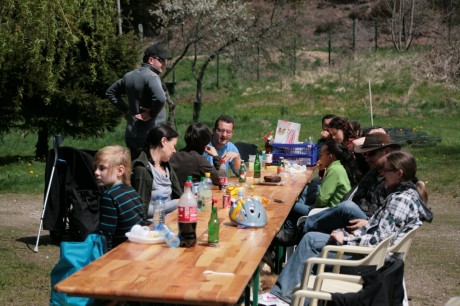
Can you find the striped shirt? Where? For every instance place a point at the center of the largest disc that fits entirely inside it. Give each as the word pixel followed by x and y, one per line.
pixel 121 209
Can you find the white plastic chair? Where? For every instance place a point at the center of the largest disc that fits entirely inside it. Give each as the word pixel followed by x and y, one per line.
pixel 321 286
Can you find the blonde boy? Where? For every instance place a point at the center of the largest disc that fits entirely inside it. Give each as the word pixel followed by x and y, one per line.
pixel 121 206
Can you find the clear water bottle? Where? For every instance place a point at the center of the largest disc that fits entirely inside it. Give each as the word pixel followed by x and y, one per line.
pixel 207 193
pixel 169 236
pixel 158 212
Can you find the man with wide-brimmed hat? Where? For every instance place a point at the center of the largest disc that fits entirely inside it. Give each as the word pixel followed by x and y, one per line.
pixel 146 97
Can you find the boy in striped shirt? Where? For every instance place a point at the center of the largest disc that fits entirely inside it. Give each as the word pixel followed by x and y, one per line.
pixel 121 206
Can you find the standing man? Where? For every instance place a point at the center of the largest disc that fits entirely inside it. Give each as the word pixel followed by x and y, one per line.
pixel 222 133
pixel 146 97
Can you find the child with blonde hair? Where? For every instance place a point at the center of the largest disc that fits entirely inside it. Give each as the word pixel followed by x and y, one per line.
pixel 121 206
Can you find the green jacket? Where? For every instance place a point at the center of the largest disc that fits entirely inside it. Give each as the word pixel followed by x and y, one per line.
pixel 334 186
pixel 142 180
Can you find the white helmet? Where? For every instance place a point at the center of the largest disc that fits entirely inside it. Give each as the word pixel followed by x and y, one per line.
pixel 248 212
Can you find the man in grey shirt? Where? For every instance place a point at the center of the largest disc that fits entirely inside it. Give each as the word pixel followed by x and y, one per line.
pixel 146 97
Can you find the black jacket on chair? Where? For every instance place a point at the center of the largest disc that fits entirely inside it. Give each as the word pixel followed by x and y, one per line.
pixel 382 287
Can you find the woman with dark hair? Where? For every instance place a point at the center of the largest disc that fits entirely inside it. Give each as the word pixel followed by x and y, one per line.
pixel 342 131
pixel 152 174
pixel 190 160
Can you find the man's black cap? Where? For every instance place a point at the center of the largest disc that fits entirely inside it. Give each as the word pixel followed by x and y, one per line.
pixel 157 50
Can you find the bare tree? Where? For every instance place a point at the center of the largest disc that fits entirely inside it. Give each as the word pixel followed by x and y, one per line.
pixel 207 28
pixel 405 16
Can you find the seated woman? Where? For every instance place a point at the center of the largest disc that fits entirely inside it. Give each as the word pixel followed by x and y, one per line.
pixel 339 178
pixel 152 174
pixel 190 160
pixel 402 212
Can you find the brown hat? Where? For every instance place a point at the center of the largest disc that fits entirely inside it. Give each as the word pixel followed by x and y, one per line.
pixel 376 141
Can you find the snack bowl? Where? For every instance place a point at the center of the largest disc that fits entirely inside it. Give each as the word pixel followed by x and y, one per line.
pixel 152 237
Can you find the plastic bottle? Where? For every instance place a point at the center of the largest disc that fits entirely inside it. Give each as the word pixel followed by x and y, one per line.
pixel 242 176
pixel 213 228
pixel 158 212
pixel 268 150
pixel 200 196
pixel 257 167
pixel 169 236
pixel 309 150
pixel 280 166
pixel 188 216
pixel 223 180
pixel 207 192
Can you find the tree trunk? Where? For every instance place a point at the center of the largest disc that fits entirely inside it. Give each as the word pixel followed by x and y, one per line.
pixel 41 148
pixel 197 103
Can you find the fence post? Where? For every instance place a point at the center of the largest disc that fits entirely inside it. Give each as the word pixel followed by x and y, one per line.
pixel 376 35
pixel 329 47
pixel 217 71
pixel 353 42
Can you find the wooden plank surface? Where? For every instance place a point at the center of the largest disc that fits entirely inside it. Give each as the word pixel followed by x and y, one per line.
pixel 157 273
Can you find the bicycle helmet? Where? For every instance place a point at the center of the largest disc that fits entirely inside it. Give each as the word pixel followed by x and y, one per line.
pixel 248 212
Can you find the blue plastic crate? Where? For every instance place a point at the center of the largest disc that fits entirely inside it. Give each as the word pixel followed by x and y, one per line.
pixel 302 153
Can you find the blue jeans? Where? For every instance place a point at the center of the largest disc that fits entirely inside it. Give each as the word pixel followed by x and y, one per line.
pixel 303 204
pixel 310 246
pixel 333 218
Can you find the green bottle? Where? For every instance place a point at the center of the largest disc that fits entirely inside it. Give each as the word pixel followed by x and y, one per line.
pixel 257 167
pixel 213 228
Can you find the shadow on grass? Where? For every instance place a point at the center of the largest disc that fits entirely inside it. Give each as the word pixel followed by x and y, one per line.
pixel 12 159
pixel 30 241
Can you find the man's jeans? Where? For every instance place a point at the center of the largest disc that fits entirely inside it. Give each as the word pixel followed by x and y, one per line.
pixel 334 218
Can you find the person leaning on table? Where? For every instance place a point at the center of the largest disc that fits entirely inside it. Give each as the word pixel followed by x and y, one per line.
pixel 221 136
pixel 401 212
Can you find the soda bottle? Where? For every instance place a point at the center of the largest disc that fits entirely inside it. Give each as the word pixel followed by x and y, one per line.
pixel 207 192
pixel 257 167
pixel 169 236
pixel 242 176
pixel 280 166
pixel 188 216
pixel 213 228
pixel 158 212
pixel 223 181
pixel 268 149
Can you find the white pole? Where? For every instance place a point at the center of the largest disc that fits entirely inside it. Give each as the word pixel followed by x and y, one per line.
pixel 370 101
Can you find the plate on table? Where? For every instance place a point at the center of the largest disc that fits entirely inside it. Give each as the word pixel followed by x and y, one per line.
pixel 271 183
pixel 153 237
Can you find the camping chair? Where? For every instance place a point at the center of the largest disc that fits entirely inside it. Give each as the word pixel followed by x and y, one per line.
pixel 321 285
pixel 72 210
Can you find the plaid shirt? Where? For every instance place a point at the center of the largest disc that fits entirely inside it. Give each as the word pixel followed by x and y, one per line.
pixel 401 212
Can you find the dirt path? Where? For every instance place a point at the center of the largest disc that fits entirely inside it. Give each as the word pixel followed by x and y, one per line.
pixel 432 268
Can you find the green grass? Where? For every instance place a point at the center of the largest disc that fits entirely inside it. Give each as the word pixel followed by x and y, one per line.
pixel 401 98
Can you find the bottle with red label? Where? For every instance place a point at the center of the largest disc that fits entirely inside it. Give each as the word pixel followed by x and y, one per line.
pixel 223 180
pixel 188 216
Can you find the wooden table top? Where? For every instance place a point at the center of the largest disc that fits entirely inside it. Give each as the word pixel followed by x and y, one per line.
pixel 157 273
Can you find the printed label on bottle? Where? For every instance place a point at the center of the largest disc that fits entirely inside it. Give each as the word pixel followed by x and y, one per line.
pixel 188 214
pixel 223 181
pixel 269 158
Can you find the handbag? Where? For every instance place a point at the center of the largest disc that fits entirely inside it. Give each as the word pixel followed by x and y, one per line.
pixel 74 256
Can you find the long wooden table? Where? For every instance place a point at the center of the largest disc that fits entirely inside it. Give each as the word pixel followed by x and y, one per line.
pixel 157 273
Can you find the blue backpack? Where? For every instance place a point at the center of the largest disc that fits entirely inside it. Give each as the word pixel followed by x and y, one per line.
pixel 74 256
